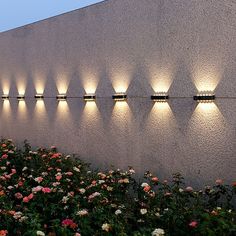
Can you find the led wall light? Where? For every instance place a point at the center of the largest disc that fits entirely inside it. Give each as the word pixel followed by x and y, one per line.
pixel 5 97
pixel 160 97
pixel 119 97
pixel 20 97
pixel 89 97
pixel 61 97
pixel 39 96
pixel 205 97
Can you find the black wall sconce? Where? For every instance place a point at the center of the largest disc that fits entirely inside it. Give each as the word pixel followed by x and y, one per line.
pixel 20 97
pixel 5 97
pixel 61 97
pixel 89 97
pixel 38 96
pixel 119 97
pixel 160 97
pixel 204 97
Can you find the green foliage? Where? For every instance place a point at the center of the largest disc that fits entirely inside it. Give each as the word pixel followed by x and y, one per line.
pixel 44 192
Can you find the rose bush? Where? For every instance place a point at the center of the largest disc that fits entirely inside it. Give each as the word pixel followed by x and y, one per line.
pixel 44 192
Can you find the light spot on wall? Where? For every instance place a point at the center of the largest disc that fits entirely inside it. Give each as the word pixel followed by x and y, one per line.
pixel 21 84
pixel 22 110
pixel 90 82
pixel 206 77
pixel 6 107
pixel 121 114
pixel 63 111
pixel 62 83
pixel 5 86
pixel 40 110
pixel 39 82
pixel 207 108
pixel 160 79
pixel 161 111
pixel 121 77
pixel 207 130
pixel 91 115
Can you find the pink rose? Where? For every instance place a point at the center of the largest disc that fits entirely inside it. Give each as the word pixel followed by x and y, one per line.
pixel 46 190
pixel 37 189
pixel 26 199
pixel 155 179
pixel 58 177
pixel 4 156
pixel 193 224
pixel 30 196
pixel 39 179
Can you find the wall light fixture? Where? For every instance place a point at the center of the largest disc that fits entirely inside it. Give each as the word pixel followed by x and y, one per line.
pixel 5 97
pixel 205 97
pixel 160 97
pixel 119 97
pixel 89 97
pixel 20 97
pixel 39 96
pixel 61 97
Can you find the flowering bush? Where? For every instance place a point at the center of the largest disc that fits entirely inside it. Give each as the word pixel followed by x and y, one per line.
pixel 44 192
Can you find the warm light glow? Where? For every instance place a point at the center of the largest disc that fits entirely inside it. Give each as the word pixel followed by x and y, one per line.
pixel 121 106
pixel 62 82
pixel 21 86
pixel 40 107
pixel 120 86
pixel 6 106
pixel 22 109
pixel 160 79
pixel 63 111
pixel 209 107
pixel 90 106
pixel 121 75
pixel 121 115
pixel 63 106
pixel 90 83
pixel 5 86
pixel 90 114
pixel 206 77
pixel 39 85
pixel 161 107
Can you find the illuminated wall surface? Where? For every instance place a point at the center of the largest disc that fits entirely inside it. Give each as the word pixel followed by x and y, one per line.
pixel 134 46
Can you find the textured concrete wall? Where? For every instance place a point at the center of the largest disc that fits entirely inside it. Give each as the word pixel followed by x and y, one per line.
pixel 141 46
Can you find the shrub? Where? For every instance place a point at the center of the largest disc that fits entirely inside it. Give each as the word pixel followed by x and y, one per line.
pixel 44 192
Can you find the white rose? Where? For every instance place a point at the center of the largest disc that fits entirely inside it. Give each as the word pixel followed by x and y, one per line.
pixel 158 232
pixel 106 227
pixel 117 212
pixel 143 211
pixel 144 185
pixel 40 233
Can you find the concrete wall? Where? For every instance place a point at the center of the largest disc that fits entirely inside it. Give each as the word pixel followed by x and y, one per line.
pixel 139 46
